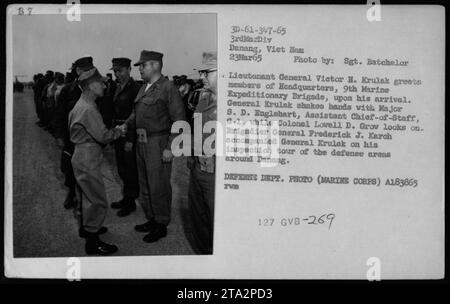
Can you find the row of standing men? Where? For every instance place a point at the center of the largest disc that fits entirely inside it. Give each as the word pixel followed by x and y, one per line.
pixel 86 111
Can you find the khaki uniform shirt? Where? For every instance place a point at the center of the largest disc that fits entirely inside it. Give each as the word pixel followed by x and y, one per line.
pixel 157 108
pixel 86 125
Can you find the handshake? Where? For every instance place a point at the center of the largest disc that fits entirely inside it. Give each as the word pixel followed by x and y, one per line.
pixel 123 129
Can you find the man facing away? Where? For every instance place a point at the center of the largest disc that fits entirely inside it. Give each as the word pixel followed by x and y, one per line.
pixel 67 99
pixel 89 133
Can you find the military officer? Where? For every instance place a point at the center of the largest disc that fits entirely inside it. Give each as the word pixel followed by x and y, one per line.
pixel 157 106
pixel 52 99
pixel 185 86
pixel 123 102
pixel 89 133
pixel 67 99
pixel 37 88
pixel 202 167
pixel 49 78
pixel 105 103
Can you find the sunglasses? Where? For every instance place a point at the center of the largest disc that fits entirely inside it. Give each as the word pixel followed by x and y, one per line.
pixel 206 72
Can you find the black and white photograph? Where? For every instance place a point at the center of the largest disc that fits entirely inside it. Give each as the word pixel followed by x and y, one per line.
pixel 93 106
pixel 225 142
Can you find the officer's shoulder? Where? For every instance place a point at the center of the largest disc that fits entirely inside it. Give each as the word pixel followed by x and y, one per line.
pixel 167 83
pixel 88 110
pixel 164 82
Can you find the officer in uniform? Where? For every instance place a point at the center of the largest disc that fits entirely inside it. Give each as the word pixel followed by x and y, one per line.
pixel 67 99
pixel 89 133
pixel 125 148
pixel 186 88
pixel 202 167
pixel 157 106
pixel 52 98
pixel 38 86
pixel 49 77
pixel 105 103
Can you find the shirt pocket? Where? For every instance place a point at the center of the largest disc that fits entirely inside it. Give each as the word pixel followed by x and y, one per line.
pixel 150 100
pixel 151 107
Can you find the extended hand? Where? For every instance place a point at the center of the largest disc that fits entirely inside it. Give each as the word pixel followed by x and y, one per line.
pixel 123 129
pixel 128 146
pixel 167 156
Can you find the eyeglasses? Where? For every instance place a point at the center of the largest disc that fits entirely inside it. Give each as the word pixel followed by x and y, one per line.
pixel 206 72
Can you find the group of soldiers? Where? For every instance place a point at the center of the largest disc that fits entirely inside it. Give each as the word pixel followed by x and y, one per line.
pixel 85 112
